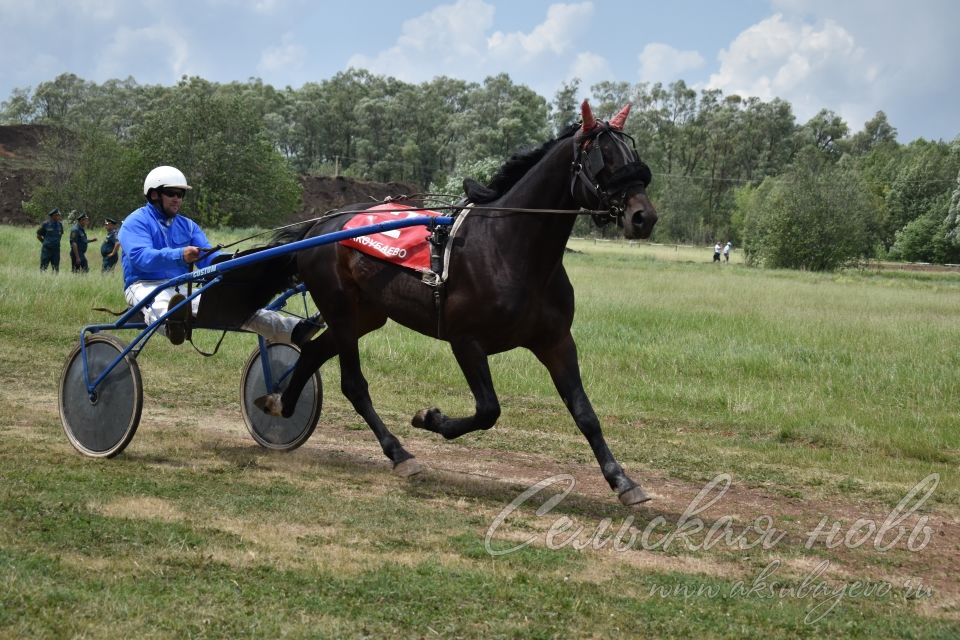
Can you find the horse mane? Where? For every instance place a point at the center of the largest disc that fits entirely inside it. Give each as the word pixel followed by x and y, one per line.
pixel 512 170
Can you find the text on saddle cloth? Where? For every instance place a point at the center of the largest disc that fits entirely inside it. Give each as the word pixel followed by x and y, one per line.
pixel 407 247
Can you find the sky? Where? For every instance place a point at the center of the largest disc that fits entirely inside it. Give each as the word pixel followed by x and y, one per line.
pixel 853 57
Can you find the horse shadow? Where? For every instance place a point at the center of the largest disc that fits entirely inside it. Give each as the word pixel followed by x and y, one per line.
pixel 438 484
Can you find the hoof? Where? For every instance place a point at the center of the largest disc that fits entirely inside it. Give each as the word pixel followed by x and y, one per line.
pixel 423 419
pixel 407 468
pixel 271 404
pixel 633 496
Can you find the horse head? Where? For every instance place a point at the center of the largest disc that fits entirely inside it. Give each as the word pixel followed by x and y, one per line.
pixel 608 173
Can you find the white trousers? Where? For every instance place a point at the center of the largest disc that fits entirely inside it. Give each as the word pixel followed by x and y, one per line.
pixel 272 325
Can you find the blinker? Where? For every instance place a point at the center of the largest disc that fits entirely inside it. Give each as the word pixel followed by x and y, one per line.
pixel 594 160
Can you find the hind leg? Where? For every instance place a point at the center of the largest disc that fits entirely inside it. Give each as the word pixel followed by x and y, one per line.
pixel 475 365
pixel 342 337
pixel 312 357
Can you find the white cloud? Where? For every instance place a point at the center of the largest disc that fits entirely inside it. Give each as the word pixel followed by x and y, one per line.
pixel 810 67
pixel 282 59
pixel 101 10
pixel 137 49
pixel 17 13
pixel 913 54
pixel 590 68
pixel 446 40
pixel 554 36
pixel 265 7
pixel 452 40
pixel 662 63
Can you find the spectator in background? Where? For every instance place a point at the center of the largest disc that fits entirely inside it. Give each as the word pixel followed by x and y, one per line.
pixel 49 235
pixel 110 249
pixel 78 244
pixel 726 251
pixel 716 252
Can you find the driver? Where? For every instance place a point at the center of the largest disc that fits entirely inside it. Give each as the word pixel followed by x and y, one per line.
pixel 158 244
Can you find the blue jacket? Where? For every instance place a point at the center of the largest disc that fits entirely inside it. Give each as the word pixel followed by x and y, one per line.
pixel 153 245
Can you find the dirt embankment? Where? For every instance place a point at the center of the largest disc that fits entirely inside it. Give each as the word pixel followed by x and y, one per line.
pixel 19 173
pixel 19 152
pixel 323 194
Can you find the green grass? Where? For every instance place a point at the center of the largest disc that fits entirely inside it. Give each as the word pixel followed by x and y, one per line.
pixel 839 388
pixel 854 370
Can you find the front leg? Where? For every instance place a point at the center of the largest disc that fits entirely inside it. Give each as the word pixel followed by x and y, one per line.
pixel 341 337
pixel 475 366
pixel 560 359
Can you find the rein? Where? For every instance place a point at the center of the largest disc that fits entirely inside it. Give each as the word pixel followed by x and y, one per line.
pixel 452 207
pixel 587 163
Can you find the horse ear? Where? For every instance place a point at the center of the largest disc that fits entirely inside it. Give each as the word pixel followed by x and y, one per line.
pixel 621 118
pixel 588 120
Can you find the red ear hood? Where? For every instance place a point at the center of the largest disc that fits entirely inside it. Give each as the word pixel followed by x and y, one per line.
pixel 620 119
pixel 588 120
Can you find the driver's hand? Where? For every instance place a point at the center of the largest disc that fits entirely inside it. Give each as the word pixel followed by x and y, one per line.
pixel 191 254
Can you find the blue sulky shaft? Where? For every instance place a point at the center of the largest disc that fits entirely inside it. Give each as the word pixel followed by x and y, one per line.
pixel 327 238
pixel 212 275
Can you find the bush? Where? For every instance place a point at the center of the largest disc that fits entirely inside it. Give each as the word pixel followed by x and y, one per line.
pixel 816 216
pixel 91 172
pixel 926 239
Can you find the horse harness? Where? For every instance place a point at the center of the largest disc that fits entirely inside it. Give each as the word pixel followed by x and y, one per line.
pixel 604 199
pixel 609 194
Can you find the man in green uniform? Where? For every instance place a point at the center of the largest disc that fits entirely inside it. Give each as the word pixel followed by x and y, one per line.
pixel 49 235
pixel 78 244
pixel 110 249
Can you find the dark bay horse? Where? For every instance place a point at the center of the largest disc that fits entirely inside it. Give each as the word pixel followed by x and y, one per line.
pixel 507 286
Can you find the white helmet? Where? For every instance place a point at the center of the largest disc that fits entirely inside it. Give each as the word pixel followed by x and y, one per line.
pixel 165 177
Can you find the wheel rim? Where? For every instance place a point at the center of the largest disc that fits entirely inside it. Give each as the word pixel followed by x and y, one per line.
pixel 275 432
pixel 102 425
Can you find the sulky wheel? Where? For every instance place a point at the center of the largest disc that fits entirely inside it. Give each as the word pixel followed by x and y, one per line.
pixel 274 432
pixel 100 425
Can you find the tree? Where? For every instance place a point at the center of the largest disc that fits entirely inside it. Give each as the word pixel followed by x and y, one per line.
pixel 681 217
pixel 608 97
pixel 238 176
pixel 816 216
pixel 499 118
pixel 825 131
pixel 97 174
pixel 952 223
pixel 932 236
pixel 56 100
pixel 565 109
pixel 480 170
pixel 924 177
pixel 926 238
pixel 19 109
pixel 876 131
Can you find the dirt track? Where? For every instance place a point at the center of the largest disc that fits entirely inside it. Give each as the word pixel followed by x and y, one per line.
pixel 491 479
pixel 454 469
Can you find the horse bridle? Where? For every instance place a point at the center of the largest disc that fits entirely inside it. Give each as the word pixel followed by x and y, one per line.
pixel 609 194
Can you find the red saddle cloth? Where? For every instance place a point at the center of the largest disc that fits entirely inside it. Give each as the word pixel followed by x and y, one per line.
pixel 405 247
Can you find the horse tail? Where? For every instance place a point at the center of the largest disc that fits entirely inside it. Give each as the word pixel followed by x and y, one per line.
pixel 244 290
pixel 290 233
